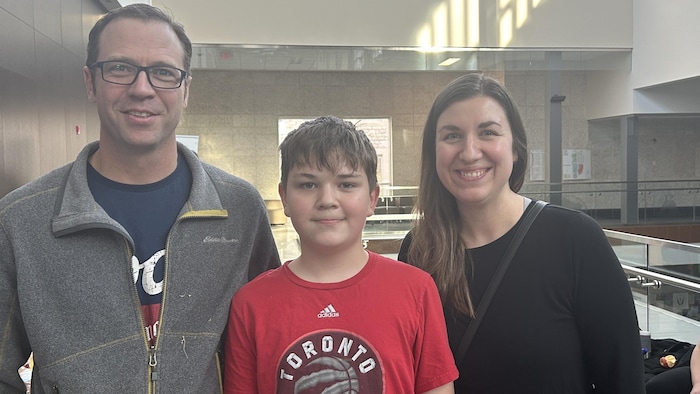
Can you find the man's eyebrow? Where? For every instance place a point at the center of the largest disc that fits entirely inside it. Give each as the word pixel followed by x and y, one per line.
pixel 134 62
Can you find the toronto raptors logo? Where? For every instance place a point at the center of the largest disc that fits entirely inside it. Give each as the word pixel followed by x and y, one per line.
pixel 330 362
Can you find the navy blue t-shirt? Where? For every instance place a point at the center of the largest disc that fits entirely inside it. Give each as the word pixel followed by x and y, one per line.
pixel 147 212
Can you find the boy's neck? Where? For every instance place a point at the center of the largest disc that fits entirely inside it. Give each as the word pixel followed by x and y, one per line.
pixel 320 266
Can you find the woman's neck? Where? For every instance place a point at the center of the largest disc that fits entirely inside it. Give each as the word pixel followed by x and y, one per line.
pixel 486 223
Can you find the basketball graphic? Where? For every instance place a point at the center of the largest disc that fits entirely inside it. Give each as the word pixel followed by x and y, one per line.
pixel 328 375
pixel 330 362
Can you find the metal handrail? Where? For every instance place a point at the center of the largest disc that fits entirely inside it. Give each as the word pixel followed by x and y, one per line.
pixel 646 277
pixel 645 240
pixel 656 279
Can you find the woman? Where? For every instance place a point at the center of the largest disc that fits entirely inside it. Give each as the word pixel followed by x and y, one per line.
pixel 563 318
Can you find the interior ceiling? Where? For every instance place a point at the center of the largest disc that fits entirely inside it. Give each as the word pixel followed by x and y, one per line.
pixel 307 58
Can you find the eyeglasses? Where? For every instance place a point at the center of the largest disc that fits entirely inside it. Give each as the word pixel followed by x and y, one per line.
pixel 123 73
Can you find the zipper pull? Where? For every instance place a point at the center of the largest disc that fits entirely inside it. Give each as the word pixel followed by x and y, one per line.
pixel 153 362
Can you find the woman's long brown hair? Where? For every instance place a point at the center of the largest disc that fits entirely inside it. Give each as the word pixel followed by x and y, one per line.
pixel 436 245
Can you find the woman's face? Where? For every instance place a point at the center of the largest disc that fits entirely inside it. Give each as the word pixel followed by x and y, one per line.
pixel 474 150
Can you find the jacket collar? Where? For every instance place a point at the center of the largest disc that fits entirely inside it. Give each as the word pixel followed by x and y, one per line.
pixel 76 209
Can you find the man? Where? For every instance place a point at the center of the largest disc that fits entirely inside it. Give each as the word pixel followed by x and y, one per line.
pixel 117 270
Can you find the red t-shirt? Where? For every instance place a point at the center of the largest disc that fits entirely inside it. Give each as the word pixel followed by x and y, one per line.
pixel 381 331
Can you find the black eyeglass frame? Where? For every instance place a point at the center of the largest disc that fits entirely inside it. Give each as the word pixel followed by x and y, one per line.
pixel 146 69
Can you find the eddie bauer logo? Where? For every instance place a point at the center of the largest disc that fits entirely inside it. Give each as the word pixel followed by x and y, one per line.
pixel 330 361
pixel 219 240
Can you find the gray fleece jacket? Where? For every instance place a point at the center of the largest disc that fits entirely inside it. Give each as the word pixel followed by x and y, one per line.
pixel 67 291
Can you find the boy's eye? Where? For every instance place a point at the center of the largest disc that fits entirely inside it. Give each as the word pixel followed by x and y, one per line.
pixel 347 185
pixel 307 185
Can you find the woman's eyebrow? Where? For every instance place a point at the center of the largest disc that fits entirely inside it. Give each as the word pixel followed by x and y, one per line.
pixel 488 123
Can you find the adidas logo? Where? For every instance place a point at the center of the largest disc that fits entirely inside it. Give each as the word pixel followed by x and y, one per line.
pixel 328 311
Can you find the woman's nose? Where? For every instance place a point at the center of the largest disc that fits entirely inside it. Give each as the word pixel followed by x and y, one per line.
pixel 471 149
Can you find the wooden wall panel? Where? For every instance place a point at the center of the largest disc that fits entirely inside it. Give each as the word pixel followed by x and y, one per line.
pixel 19 127
pixel 42 97
pixel 689 233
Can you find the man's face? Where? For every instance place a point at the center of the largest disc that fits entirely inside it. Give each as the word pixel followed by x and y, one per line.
pixel 138 116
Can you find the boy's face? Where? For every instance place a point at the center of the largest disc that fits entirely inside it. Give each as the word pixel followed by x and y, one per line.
pixel 328 209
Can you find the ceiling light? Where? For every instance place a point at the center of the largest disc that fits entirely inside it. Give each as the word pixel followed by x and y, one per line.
pixel 449 61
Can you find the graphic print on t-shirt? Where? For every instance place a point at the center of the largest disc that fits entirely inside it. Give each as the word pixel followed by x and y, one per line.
pixel 149 285
pixel 330 361
pixel 147 213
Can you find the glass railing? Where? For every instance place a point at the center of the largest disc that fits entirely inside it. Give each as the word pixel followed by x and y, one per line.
pixel 665 281
pixel 393 215
pixel 664 275
pixel 657 201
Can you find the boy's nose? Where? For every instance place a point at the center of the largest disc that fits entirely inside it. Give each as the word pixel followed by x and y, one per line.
pixel 327 197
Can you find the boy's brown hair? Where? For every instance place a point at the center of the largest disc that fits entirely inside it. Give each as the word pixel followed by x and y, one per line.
pixel 329 142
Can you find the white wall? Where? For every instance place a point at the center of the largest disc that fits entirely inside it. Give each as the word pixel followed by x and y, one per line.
pixel 665 65
pixel 665 41
pixel 662 35
pixel 459 23
pixel 577 24
pixel 608 94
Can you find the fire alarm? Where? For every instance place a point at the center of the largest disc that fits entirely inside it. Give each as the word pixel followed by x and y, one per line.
pixel 77 130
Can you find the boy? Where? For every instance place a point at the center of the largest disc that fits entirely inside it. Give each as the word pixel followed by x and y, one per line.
pixel 337 317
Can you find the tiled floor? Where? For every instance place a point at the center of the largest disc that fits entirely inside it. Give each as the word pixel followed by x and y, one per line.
pixel 664 324
pixel 661 324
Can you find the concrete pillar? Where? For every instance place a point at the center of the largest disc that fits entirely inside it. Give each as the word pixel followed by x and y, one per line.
pixel 629 200
pixel 553 128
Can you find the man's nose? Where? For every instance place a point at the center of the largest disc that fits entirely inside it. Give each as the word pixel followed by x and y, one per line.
pixel 142 83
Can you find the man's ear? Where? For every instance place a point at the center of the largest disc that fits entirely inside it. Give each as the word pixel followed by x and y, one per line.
pixel 187 82
pixel 89 84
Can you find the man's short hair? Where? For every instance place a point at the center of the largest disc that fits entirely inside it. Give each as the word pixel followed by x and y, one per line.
pixel 142 12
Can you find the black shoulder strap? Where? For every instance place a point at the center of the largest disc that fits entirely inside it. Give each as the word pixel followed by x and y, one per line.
pixel 496 280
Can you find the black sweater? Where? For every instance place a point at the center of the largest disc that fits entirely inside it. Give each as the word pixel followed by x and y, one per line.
pixel 563 319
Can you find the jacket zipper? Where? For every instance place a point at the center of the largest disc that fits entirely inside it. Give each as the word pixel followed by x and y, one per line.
pixel 152 360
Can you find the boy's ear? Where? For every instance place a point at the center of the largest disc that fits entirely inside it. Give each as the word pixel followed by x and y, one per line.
pixel 283 197
pixel 373 198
